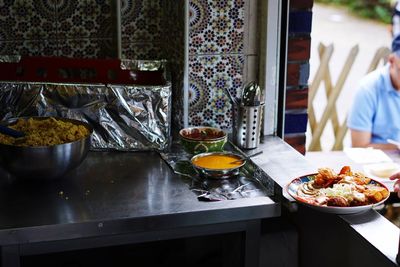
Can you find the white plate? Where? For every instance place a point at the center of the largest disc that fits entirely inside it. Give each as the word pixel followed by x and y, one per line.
pixel 294 185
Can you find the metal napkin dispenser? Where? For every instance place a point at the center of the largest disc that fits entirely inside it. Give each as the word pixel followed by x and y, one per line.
pixel 126 117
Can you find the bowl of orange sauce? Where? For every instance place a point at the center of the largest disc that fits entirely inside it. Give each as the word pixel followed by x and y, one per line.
pixel 218 165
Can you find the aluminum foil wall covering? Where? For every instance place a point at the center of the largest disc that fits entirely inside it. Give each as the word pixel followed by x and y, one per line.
pixel 127 118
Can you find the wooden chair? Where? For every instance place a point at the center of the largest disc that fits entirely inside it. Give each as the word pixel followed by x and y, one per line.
pixel 332 93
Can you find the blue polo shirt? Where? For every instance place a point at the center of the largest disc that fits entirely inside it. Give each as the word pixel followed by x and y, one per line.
pixel 376 107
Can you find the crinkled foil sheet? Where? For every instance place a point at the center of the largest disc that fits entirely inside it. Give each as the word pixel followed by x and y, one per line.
pixel 143 65
pixel 124 117
pixel 251 181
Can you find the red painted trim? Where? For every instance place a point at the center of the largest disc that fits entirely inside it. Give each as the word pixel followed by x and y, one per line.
pixel 69 70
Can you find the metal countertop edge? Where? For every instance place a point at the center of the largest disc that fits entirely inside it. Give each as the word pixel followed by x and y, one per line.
pixel 262 209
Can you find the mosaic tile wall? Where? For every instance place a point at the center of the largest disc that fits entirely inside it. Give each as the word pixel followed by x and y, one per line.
pixel 143 25
pixel 86 29
pixel 150 29
pixel 216 60
pixel 56 28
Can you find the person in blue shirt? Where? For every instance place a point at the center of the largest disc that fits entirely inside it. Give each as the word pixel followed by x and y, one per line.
pixel 375 113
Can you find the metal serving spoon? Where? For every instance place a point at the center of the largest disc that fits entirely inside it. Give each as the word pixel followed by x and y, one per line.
pixel 11 132
pixel 234 100
pixel 251 94
pixel 248 157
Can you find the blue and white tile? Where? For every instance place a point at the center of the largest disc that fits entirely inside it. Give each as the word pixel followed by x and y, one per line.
pixel 141 21
pixel 84 19
pixel 27 20
pixel 216 27
pixel 29 48
pixel 209 78
pixel 87 48
pixel 142 50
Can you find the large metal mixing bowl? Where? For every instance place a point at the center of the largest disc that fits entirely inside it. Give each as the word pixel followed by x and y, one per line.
pixel 44 162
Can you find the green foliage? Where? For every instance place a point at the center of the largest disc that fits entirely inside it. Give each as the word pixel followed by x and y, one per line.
pixel 380 10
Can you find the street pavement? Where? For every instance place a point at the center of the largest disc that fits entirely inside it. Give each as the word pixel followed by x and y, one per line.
pixel 337 26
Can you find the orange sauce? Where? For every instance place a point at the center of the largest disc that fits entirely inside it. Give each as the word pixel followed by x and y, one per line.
pixel 218 162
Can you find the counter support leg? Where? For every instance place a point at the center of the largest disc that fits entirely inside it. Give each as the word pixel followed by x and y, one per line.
pixel 252 244
pixel 10 256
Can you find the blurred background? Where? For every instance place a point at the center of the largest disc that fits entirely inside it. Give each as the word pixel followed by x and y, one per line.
pixel 361 25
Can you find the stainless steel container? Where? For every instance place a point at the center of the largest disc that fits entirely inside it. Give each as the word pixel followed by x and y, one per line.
pixel 44 162
pixel 247 126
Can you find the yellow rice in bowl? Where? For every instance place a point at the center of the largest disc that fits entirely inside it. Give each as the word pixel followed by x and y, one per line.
pixel 45 132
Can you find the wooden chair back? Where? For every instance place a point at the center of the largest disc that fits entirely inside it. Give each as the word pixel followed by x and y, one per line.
pixel 332 92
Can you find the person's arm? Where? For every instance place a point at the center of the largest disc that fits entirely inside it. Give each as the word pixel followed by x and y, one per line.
pixel 396 185
pixel 363 139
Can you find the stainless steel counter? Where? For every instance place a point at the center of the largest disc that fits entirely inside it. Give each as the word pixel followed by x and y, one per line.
pixel 121 198
pixel 113 194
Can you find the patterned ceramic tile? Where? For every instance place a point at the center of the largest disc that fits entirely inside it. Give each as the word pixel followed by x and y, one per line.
pixel 87 48
pixel 29 48
pixel 209 77
pixel 84 19
pixel 216 27
pixel 142 51
pixel 27 20
pixel 141 21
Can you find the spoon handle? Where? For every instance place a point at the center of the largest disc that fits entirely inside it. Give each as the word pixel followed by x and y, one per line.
pixel 11 132
pixel 248 157
pixel 231 97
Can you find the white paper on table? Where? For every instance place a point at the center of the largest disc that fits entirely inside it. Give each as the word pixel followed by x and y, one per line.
pixel 386 181
pixel 366 155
